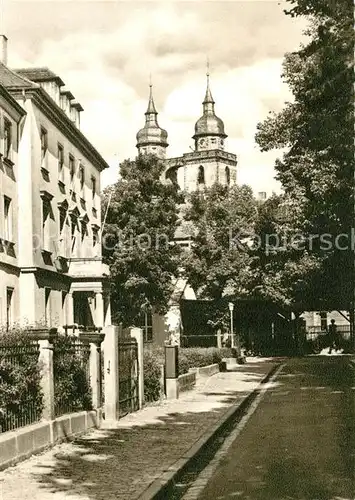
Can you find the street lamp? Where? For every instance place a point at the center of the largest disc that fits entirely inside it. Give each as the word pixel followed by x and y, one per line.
pixel 231 307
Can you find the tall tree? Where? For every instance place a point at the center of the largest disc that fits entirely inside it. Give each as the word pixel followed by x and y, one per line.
pixel 317 130
pixel 218 262
pixel 142 217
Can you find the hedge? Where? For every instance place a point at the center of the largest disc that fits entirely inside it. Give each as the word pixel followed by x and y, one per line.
pixel 152 374
pixel 189 357
pixel 195 357
pixel 21 397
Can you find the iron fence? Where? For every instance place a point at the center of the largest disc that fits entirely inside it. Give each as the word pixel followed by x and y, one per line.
pixel 128 376
pixel 21 397
pixel 71 371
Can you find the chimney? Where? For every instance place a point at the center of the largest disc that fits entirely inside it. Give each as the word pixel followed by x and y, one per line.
pixel 3 49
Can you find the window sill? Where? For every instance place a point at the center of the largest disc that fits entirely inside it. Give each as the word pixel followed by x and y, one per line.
pixel 7 243
pixel 46 252
pixel 9 163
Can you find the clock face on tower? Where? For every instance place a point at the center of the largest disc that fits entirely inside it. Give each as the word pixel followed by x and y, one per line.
pixel 202 142
pixel 222 142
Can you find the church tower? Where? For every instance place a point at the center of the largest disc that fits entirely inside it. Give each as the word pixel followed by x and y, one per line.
pixel 209 129
pixel 209 163
pixel 151 138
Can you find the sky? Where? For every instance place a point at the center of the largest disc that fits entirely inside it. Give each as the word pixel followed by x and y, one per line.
pixel 106 50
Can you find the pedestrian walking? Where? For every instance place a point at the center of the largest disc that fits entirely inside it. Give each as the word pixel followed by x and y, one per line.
pixel 332 332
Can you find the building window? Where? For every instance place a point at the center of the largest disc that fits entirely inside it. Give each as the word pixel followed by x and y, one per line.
pixel 82 178
pixel 93 191
pixel 201 175
pixel 47 306
pixel 95 236
pixel 44 143
pixel 46 216
pixel 9 305
pixel 228 176
pixel 7 219
pixel 60 163
pixel 71 169
pixel 323 321
pixel 262 195
pixel 146 323
pixel 84 230
pixel 7 138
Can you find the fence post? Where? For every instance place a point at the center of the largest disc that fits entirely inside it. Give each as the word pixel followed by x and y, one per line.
pixel 45 339
pixel 172 371
pixel 110 346
pixel 94 339
pixel 219 338
pixel 137 333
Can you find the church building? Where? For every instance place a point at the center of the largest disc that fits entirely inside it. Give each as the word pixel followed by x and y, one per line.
pixel 208 164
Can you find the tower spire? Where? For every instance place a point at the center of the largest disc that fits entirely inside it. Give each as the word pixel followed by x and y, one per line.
pixel 151 106
pixel 208 102
pixel 152 138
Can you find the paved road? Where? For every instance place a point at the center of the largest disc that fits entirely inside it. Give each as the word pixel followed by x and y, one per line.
pixel 299 444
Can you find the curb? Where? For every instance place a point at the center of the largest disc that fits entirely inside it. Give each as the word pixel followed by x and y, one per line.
pixel 159 488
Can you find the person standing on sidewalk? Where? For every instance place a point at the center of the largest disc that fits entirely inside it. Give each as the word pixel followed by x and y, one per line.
pixel 333 343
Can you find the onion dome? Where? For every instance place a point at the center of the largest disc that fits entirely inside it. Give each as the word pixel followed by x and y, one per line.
pixel 209 123
pixel 151 133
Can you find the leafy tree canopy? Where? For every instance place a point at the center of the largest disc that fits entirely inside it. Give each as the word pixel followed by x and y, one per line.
pixel 317 170
pixel 218 263
pixel 142 217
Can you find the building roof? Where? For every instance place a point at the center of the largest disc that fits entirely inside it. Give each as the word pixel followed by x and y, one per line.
pixel 18 85
pixel 209 123
pixel 39 75
pixel 10 78
pixel 151 133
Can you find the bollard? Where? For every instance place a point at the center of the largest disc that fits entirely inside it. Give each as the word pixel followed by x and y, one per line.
pixel 172 371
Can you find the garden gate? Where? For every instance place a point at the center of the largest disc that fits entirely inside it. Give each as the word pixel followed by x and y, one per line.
pixel 128 370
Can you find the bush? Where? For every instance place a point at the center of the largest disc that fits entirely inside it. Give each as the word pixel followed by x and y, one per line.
pixel 71 386
pixel 21 397
pixel 152 373
pixel 196 357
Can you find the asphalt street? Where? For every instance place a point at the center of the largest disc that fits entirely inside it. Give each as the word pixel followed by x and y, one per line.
pixel 299 444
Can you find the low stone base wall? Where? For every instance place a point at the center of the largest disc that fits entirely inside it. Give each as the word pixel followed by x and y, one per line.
pixel 186 381
pixel 21 443
pixel 206 371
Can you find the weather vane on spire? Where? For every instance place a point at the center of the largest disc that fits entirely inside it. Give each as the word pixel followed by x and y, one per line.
pixel 150 80
pixel 207 66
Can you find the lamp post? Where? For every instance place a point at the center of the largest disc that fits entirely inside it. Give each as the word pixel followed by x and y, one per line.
pixel 231 307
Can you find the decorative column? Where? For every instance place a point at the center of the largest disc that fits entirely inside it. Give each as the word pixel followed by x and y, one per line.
pixel 99 313
pixel 70 309
pixel 137 333
pixel 107 318
pixel 94 339
pixel 110 347
pixel 45 339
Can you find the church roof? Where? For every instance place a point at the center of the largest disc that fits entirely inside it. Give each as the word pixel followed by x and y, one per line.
pixel 209 123
pixel 151 133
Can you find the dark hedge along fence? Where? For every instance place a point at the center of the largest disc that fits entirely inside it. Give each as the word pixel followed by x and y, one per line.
pixel 192 357
pixel 71 375
pixel 21 398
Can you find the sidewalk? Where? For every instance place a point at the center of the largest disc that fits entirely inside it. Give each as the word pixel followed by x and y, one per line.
pixel 120 463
